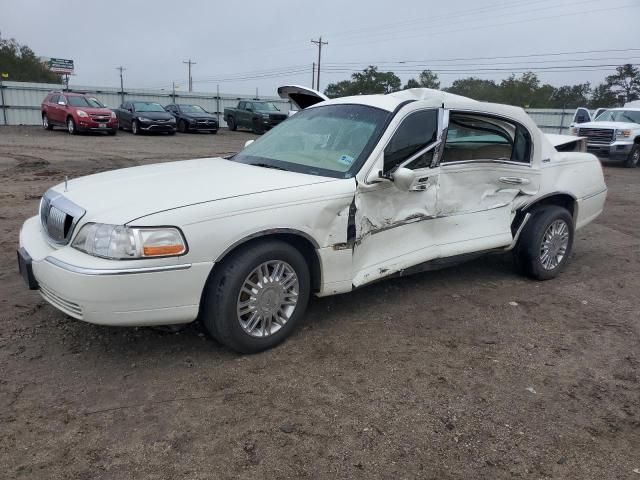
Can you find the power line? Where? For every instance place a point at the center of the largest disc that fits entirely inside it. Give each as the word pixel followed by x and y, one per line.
pixel 319 43
pixel 189 62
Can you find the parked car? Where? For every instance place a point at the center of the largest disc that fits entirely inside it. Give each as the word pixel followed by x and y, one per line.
pixel 346 192
pixel 77 112
pixel 614 134
pixel 139 117
pixel 254 115
pixel 193 118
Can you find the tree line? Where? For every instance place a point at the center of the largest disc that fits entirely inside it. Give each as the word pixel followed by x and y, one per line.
pixel 525 90
pixel 21 64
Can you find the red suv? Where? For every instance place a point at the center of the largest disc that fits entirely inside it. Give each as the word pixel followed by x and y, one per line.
pixel 78 113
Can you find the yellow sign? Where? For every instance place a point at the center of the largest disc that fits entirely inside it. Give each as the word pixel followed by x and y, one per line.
pixel 4 75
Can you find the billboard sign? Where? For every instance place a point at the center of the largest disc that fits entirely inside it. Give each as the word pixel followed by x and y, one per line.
pixel 60 65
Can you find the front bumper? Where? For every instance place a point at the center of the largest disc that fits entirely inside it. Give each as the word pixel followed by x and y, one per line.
pixel 613 151
pixel 86 125
pixel 157 127
pixel 113 292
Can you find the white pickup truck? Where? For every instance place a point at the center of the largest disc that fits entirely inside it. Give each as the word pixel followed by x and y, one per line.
pixel 344 193
pixel 612 133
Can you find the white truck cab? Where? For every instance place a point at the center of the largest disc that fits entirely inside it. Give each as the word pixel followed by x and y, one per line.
pixel 612 133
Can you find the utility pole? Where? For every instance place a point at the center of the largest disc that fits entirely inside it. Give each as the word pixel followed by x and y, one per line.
pixel 121 69
pixel 189 62
pixel 320 43
pixel 313 76
pixel 173 92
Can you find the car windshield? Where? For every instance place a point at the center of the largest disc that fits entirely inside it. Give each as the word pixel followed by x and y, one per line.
pixel 332 140
pixel 192 109
pixel 84 102
pixel 632 116
pixel 265 107
pixel 147 107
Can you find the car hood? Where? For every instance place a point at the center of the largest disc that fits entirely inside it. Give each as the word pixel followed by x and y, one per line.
pixel 121 196
pixel 621 125
pixel 94 111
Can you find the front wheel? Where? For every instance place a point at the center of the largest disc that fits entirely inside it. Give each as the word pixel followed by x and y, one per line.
pixel 71 126
pixel 255 298
pixel 545 243
pixel 633 160
pixel 135 128
pixel 182 126
pixel 258 129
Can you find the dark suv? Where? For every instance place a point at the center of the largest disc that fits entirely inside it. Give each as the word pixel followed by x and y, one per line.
pixel 77 112
pixel 193 118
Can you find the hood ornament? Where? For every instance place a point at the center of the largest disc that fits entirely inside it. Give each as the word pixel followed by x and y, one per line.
pixel 66 183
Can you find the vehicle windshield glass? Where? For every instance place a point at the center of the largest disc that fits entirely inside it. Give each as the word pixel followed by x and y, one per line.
pixel 332 140
pixel 147 107
pixel 84 102
pixel 265 107
pixel 632 116
pixel 192 109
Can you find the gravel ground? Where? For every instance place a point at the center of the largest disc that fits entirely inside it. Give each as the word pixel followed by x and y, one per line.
pixel 470 372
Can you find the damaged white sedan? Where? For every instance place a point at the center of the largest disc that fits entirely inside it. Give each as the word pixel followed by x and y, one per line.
pixel 345 192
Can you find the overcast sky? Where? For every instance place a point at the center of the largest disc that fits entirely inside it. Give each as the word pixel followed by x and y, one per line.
pixel 233 41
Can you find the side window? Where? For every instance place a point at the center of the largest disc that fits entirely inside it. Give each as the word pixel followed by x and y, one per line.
pixel 242 105
pixel 476 137
pixel 53 99
pixel 417 131
pixel 249 106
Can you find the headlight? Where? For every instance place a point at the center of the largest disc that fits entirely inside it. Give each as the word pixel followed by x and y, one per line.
pixel 145 119
pixel 172 120
pixel 82 113
pixel 113 114
pixel 265 115
pixel 120 242
pixel 623 133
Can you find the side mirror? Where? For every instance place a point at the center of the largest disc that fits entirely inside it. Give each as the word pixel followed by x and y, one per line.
pixel 403 178
pixel 248 142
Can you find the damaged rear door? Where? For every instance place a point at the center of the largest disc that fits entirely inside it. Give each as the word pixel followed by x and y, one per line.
pixel 393 228
pixel 487 163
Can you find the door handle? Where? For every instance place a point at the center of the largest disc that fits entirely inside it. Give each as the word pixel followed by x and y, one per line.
pixel 515 180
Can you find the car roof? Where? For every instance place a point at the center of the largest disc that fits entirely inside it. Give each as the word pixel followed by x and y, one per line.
pixel 626 109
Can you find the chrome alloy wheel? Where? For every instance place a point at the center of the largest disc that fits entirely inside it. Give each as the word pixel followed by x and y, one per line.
pixel 555 243
pixel 45 121
pixel 268 298
pixel 71 127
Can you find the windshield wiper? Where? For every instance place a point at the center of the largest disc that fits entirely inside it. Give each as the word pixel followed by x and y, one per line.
pixel 266 165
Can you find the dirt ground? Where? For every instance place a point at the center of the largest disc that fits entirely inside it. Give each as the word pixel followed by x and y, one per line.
pixel 471 372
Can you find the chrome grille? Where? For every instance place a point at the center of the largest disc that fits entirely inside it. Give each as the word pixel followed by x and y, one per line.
pixel 101 118
pixel 597 135
pixel 59 216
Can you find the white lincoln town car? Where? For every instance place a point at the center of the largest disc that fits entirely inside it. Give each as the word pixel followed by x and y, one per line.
pixel 344 193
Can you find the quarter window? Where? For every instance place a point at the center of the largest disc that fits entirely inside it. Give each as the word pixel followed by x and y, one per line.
pixel 417 131
pixel 474 137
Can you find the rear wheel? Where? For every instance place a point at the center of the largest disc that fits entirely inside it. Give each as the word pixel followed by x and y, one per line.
pixel 255 298
pixel 45 122
pixel 231 122
pixel 633 160
pixel 71 126
pixel 545 243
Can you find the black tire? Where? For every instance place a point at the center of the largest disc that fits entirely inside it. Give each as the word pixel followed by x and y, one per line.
pixel 171 133
pixel 71 126
pixel 135 128
pixel 231 123
pixel 213 132
pixel 219 314
pixel 113 132
pixel 528 251
pixel 257 128
pixel 633 160
pixel 45 122
pixel 182 126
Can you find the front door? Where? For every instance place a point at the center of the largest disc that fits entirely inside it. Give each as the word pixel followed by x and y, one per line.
pixel 394 226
